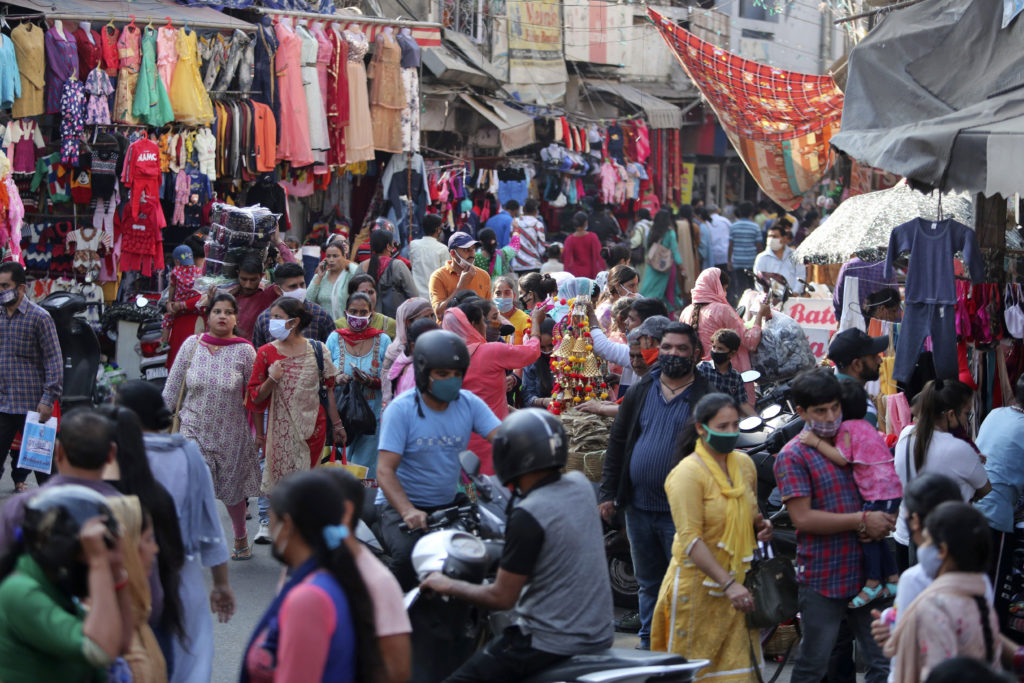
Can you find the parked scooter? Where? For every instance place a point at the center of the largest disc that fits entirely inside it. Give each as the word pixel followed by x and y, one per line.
pixel 152 358
pixel 79 346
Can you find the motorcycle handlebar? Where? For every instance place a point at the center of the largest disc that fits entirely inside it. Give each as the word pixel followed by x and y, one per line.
pixel 441 518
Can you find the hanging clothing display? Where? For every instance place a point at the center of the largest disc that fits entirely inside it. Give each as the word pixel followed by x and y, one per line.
pixel 411 85
pixel 236 58
pixel 152 106
pixel 337 95
pixel 10 77
pixel 213 51
pixel 61 65
pixel 88 43
pixel 99 87
pixel 166 54
pixel 264 83
pixel 30 51
pixel 72 120
pixel 931 290
pixel 110 56
pixel 22 140
pixel 324 52
pixel 189 98
pixel 402 178
pixel 293 144
pixel 387 95
pixel 359 131
pixel 129 47
pixel 315 111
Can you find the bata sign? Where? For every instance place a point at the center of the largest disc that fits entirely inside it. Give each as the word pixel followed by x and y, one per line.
pixel 818 320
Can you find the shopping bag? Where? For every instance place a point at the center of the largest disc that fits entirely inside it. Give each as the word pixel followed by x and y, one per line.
pixel 37 442
pixel 772 582
pixel 355 411
pixel 357 471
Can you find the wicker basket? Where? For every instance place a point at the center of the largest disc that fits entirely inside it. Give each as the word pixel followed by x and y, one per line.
pixel 785 636
pixel 588 438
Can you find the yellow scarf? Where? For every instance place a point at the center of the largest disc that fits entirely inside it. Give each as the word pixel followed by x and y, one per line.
pixel 738 539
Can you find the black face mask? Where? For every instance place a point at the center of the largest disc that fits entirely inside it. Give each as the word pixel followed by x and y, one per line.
pixel 492 334
pixel 675 367
pixel 720 357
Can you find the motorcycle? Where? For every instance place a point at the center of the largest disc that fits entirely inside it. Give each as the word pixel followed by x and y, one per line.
pixel 457 546
pixel 79 346
pixel 152 358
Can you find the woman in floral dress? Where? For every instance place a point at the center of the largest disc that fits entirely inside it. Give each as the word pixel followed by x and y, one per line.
pixel 214 369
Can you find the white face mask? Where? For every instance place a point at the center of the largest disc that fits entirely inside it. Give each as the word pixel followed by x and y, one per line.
pixel 928 558
pixel 774 243
pixel 297 294
pixel 278 329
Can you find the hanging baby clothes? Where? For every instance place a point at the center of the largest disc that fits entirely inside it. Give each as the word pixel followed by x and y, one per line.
pixel 387 96
pixel 181 185
pixel 141 172
pixel 315 111
pixel 411 85
pixel 294 143
pixel 931 290
pixel 205 146
pixel 61 65
pixel 30 51
pixel 359 131
pixel 110 58
pixel 166 54
pixel 22 140
pixel 72 108
pixel 189 99
pixel 99 88
pixel 87 243
pixel 337 95
pixel 152 106
pixel 10 77
pixel 129 47
pixel 138 233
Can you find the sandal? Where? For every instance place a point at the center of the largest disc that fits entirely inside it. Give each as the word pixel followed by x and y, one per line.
pixel 21 487
pixel 891 588
pixel 872 593
pixel 240 554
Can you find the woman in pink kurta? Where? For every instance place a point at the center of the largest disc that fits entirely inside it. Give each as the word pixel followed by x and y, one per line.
pixel 488 362
pixel 293 143
pixel 710 312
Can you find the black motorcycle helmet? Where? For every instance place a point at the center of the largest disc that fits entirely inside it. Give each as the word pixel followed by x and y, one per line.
pixel 438 349
pixel 528 440
pixel 51 527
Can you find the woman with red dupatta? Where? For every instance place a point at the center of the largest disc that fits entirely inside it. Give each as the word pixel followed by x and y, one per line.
pixel 358 351
pixel 206 387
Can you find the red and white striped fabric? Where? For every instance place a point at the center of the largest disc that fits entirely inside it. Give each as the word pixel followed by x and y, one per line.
pixel 530 231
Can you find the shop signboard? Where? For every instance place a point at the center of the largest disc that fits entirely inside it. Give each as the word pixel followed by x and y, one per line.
pixel 535 42
pixel 686 183
pixel 818 320
pixel 596 31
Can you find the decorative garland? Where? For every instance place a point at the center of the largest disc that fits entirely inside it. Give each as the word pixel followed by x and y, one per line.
pixel 577 371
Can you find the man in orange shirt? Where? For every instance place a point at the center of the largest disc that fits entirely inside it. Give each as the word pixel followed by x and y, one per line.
pixel 457 274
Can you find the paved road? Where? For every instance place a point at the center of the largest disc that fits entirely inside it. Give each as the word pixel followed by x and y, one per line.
pixel 253 583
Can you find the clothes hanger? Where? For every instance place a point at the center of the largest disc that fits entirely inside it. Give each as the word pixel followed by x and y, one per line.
pixel 169 24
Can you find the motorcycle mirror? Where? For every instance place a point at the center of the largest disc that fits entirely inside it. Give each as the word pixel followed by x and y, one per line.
pixel 751 424
pixel 771 411
pixel 750 376
pixel 141 301
pixel 470 463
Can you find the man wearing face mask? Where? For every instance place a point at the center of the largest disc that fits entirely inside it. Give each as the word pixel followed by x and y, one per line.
pixel 291 279
pixel 251 296
pixel 31 363
pixel 458 274
pixel 858 359
pixel 640 454
pixel 826 508
pixel 421 435
pixel 779 258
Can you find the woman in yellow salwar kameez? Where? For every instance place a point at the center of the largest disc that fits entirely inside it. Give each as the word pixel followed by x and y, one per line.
pixel 701 608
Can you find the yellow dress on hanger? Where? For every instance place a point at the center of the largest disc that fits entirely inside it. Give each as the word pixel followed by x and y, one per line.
pixel 188 95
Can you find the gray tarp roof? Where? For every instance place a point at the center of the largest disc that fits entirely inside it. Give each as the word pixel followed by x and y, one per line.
pixel 101 11
pixel 936 93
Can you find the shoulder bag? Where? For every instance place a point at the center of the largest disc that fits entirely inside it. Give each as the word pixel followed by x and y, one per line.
pixel 176 419
pixel 772 583
pixel 659 257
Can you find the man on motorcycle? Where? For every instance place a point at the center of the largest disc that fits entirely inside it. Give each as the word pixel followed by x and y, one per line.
pixel 552 567
pixel 421 436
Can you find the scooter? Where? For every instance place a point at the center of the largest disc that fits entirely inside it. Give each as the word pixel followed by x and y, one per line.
pixel 152 359
pixel 79 346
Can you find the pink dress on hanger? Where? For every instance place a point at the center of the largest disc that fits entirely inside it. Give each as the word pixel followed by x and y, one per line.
pixel 359 131
pixel 293 145
pixel 166 54
pixel 323 56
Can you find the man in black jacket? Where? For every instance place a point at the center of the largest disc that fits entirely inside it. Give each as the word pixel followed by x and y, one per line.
pixel 641 452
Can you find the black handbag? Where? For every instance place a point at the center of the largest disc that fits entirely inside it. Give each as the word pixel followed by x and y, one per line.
pixel 355 411
pixel 772 583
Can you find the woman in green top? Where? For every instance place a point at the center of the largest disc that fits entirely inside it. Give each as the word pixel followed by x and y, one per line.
pixel 659 284
pixel 496 261
pixel 367 285
pixel 45 634
pixel 329 288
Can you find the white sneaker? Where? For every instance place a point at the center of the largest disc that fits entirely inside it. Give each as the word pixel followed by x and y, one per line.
pixel 263 535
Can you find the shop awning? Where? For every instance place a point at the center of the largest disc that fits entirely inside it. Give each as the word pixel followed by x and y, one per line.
pixel 660 114
pixel 144 11
pixel 515 128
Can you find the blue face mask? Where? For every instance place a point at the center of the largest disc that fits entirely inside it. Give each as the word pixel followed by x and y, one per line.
pixel 504 304
pixel 446 390
pixel 928 558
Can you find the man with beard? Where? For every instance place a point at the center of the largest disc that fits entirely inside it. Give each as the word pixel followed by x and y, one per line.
pixel 858 358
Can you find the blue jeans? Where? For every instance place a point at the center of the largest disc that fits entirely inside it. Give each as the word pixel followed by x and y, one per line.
pixel 821 617
pixel 879 563
pixel 650 543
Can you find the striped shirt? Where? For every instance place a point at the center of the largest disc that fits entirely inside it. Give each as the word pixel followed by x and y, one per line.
pixel 653 457
pixel 745 237
pixel 30 355
pixel 531 243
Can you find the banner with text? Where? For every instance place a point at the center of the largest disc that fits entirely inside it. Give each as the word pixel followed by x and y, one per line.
pixel 818 320
pixel 535 42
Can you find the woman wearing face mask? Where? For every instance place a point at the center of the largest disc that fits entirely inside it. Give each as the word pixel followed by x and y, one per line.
pixel 489 257
pixel 930 445
pixel 365 284
pixel 206 388
pixel 535 288
pixel 711 311
pixel 504 290
pixel 409 312
pixel 320 625
pixel 402 376
pixel 489 362
pixel 538 382
pixel 623 281
pixel 390 274
pixel 712 493
pixel 954 615
pixel 358 352
pixel 285 382
pixel 329 288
